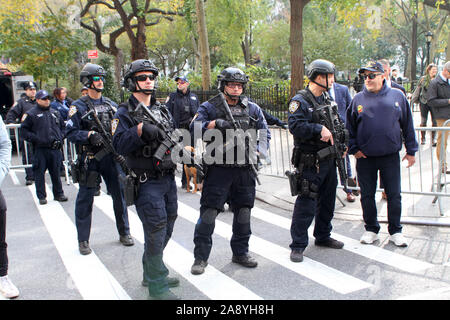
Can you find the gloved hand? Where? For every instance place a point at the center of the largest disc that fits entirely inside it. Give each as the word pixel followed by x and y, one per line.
pixel 150 132
pixel 56 144
pixel 223 124
pixel 284 125
pixel 95 139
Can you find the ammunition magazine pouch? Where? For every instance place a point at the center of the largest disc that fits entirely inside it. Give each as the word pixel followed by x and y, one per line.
pixel 130 185
pixel 75 171
pixel 302 187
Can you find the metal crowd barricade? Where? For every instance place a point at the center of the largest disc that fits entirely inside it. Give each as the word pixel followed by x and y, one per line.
pixel 68 151
pixel 15 140
pixel 424 178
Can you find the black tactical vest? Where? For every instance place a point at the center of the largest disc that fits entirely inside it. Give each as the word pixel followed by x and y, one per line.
pixel 240 114
pixel 105 113
pixel 142 160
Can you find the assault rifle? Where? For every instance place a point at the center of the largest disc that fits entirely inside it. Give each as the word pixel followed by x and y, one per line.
pixel 236 125
pixel 169 141
pixel 106 142
pixel 329 117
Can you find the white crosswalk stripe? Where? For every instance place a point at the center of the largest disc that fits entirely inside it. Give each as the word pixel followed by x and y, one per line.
pixel 93 280
pixel 212 283
pixel 91 277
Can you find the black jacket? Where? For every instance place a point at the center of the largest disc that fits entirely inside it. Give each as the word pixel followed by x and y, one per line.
pixel 438 96
pixel 22 106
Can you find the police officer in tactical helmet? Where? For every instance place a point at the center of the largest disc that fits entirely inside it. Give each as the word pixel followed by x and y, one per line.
pixel 93 159
pixel 137 137
pixel 317 178
pixel 224 179
pixel 15 115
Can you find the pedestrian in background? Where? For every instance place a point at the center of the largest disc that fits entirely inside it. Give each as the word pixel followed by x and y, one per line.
pixel 44 127
pixel 438 98
pixel 60 103
pixel 420 96
pixel 7 288
pixel 377 119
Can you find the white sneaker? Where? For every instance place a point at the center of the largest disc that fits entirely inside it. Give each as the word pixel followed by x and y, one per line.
pixel 7 288
pixel 398 239
pixel 369 237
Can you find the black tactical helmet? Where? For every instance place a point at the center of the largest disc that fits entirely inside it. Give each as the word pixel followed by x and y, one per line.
pixel 319 66
pixel 90 70
pixel 138 66
pixel 231 75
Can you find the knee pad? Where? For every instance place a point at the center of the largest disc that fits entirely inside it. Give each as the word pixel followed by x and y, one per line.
pixel 243 215
pixel 209 216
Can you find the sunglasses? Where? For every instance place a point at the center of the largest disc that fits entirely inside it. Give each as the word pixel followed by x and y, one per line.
pixel 98 78
pixel 181 82
pixel 46 98
pixel 371 76
pixel 235 85
pixel 144 77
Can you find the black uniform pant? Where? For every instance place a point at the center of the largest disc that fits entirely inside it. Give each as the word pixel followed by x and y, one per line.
pixel 322 209
pixel 108 169
pixel 3 245
pixel 46 158
pixel 221 183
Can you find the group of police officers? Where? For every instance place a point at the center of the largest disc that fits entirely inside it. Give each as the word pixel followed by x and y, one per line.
pixel 130 146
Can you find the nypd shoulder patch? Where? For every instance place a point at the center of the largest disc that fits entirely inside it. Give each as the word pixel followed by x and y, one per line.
pixel 293 106
pixel 72 110
pixel 114 124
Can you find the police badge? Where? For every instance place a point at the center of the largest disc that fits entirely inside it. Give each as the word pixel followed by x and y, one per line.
pixel 293 106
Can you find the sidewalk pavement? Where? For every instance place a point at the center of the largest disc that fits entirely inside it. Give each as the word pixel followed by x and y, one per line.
pixel 416 209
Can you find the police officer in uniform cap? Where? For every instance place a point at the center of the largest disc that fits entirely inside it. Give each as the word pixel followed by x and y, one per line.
pixel 82 130
pixel 317 177
pixel 43 127
pixel 234 181
pixel 136 137
pixel 15 115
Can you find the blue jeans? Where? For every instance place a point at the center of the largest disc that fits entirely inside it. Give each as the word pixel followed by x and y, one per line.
pixel 322 208
pixel 389 168
pixel 157 209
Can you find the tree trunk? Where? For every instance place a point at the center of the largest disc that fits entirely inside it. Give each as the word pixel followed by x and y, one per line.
pixel 296 44
pixel 139 48
pixel 118 65
pixel 245 45
pixel 197 57
pixel 447 50
pixel 203 44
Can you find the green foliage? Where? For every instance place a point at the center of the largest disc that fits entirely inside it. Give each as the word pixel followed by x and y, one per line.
pixel 43 50
pixel 110 89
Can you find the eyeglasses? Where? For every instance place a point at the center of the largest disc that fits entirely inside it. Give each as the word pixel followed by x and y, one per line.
pixel 144 77
pixel 98 78
pixel 235 85
pixel 371 76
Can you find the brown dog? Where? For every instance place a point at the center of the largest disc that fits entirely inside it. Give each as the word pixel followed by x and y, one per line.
pixel 191 172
